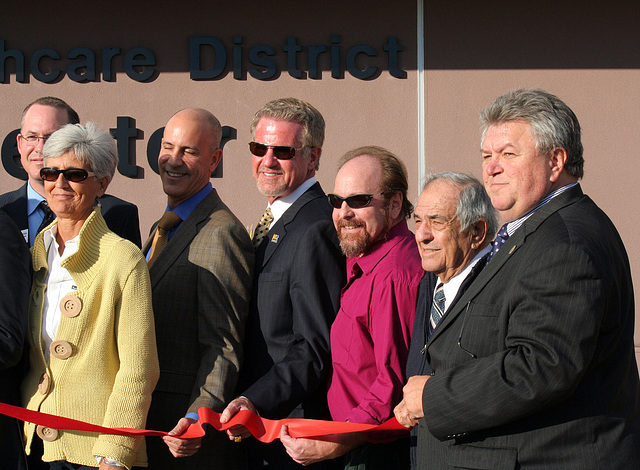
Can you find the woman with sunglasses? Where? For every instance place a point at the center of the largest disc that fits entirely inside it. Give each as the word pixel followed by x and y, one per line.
pixel 91 331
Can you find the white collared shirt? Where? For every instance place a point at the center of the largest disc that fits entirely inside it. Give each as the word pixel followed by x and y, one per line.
pixel 59 283
pixel 452 287
pixel 280 206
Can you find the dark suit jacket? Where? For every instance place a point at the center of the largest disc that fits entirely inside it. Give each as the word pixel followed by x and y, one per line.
pixel 201 285
pixel 417 363
pixel 15 284
pixel 121 216
pixel 298 275
pixel 534 366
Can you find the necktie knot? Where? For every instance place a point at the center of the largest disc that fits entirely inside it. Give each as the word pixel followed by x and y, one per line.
pixel 49 216
pixel 262 228
pixel 500 239
pixel 167 222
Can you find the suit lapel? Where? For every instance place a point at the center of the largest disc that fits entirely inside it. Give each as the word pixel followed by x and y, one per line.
pixel 511 246
pixel 278 232
pixel 181 240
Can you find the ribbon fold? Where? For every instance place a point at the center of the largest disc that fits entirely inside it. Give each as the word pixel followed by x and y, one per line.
pixel 265 430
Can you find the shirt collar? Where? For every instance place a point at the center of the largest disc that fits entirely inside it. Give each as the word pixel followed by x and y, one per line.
pixel 514 225
pixel 369 260
pixel 33 199
pixel 185 208
pixel 452 287
pixel 50 242
pixel 280 206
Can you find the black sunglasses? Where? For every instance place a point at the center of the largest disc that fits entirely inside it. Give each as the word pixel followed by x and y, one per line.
pixel 357 201
pixel 70 174
pixel 281 152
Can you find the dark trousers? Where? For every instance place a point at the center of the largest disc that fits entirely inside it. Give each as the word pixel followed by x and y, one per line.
pixel 393 455
pixel 273 455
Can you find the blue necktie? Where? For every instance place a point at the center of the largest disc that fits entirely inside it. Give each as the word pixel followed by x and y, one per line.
pixel 498 242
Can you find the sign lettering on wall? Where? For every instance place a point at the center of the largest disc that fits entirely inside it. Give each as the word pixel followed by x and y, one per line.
pixel 83 64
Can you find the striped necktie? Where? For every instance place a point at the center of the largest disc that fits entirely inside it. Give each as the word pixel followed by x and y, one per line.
pixel 437 307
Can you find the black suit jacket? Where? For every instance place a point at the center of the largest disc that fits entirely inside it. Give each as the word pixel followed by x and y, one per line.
pixel 417 363
pixel 298 275
pixel 15 283
pixel 121 216
pixel 534 367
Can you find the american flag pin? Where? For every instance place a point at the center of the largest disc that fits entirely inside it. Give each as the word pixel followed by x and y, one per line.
pixel 274 238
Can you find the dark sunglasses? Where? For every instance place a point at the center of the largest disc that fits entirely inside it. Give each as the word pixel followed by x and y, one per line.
pixel 357 201
pixel 70 174
pixel 281 152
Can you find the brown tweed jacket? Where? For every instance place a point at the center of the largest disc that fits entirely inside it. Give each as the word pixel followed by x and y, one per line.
pixel 201 285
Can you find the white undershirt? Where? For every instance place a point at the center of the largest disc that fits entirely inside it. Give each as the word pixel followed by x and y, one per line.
pixel 59 283
pixel 280 206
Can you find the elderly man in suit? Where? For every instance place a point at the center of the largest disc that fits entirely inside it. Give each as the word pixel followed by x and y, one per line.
pixel 200 262
pixel 27 205
pixel 534 366
pixel 299 272
pixel 15 284
pixel 455 222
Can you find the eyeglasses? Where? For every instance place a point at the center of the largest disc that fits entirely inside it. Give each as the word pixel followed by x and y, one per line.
pixel 357 201
pixel 281 152
pixel 33 139
pixel 74 175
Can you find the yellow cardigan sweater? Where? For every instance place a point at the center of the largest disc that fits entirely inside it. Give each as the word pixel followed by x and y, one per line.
pixel 113 367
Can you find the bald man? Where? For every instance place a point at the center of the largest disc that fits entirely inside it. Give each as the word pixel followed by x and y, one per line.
pixel 201 282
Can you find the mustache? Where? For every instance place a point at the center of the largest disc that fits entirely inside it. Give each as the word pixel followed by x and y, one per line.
pixel 263 169
pixel 352 223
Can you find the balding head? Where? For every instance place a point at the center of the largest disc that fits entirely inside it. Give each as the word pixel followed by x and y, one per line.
pixel 189 153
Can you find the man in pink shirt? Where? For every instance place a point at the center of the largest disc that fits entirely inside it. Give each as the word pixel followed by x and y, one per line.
pixel 371 334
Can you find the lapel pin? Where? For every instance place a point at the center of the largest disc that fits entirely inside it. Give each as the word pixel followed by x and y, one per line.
pixel 274 238
pixel 512 249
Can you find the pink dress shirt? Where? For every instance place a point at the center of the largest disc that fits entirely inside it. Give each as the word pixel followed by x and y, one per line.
pixel 371 334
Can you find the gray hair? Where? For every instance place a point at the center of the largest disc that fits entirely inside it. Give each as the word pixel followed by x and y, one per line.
pixel 91 145
pixel 552 122
pixel 295 110
pixel 473 201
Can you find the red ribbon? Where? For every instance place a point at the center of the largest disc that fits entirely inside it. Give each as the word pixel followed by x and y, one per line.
pixel 265 430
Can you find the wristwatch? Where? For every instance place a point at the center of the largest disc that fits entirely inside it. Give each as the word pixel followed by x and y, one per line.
pixel 112 463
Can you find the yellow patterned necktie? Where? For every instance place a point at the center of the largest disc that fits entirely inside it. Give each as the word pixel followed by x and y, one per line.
pixel 262 228
pixel 168 221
